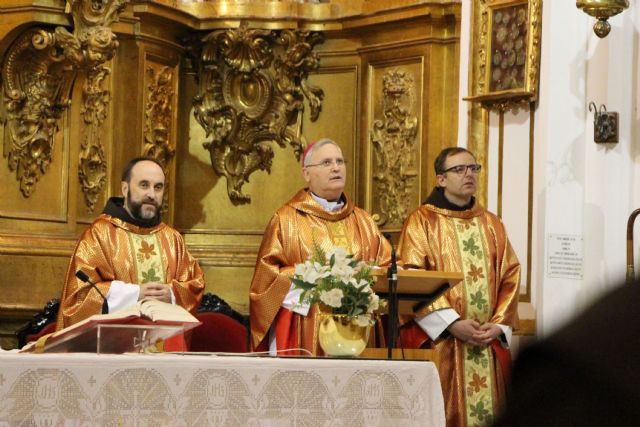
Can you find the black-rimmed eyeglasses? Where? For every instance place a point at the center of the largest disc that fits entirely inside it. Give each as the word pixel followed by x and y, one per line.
pixel 462 169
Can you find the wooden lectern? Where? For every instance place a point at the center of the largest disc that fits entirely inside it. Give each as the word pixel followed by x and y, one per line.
pixel 414 290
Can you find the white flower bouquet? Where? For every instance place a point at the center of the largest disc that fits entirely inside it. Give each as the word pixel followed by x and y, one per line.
pixel 339 283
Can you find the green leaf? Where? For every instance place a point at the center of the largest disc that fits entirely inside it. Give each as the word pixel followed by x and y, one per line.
pixel 150 276
pixel 477 299
pixel 301 284
pixel 361 287
pixel 479 411
pixel 470 246
pixel 318 254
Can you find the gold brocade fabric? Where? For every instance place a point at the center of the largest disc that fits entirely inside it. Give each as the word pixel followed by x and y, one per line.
pixel 473 241
pixel 111 249
pixel 288 240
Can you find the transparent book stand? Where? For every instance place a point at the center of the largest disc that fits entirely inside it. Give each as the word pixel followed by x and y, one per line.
pixel 113 339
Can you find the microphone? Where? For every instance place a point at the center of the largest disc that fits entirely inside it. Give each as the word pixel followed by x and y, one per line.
pixel 392 272
pixel 82 276
pixel 392 275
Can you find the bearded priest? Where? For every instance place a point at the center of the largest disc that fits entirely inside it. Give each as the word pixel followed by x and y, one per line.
pixel 321 215
pixel 129 254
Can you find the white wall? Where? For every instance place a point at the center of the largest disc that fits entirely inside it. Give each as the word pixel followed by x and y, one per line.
pixel 588 187
pixel 582 190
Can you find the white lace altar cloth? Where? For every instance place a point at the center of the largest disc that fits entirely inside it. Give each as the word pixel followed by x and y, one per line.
pixel 198 390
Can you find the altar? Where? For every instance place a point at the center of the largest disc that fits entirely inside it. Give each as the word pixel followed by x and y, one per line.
pixel 208 390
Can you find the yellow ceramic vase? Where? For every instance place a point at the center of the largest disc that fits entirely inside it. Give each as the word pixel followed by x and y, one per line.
pixel 340 336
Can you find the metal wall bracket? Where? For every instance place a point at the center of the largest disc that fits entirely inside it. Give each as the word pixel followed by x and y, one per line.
pixel 605 124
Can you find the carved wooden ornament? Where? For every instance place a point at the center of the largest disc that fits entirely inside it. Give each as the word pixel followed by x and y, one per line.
pixel 394 143
pixel 37 76
pixel 252 87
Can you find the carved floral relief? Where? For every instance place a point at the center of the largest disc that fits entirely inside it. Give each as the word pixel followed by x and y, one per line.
pixel 393 137
pixel 36 84
pixel 92 168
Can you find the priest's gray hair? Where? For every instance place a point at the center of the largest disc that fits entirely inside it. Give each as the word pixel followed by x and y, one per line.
pixel 315 146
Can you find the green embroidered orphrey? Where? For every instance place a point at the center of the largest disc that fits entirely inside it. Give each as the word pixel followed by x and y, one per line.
pixel 147 258
pixel 478 360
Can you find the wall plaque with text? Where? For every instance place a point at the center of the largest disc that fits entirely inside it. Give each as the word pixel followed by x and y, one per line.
pixel 564 256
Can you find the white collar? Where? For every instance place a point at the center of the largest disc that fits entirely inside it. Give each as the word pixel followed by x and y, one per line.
pixel 327 205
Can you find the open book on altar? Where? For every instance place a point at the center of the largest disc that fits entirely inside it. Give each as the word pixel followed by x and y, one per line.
pixel 131 329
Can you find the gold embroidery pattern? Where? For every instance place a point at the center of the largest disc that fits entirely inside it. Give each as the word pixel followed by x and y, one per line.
pixel 478 361
pixel 339 237
pixel 148 258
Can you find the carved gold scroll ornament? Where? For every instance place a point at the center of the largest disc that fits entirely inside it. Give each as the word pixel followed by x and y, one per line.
pixel 252 87
pixel 37 75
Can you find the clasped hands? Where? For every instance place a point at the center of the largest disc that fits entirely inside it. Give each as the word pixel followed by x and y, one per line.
pixel 155 290
pixel 474 333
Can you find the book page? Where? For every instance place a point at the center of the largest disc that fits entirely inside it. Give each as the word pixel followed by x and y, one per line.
pixel 159 311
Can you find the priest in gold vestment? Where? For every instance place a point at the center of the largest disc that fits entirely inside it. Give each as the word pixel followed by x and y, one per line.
pixel 470 326
pixel 318 215
pixel 129 254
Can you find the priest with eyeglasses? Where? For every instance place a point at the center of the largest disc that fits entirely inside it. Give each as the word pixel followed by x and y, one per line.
pixel 470 326
pixel 322 215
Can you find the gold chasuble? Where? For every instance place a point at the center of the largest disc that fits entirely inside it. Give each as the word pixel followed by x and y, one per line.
pixel 112 249
pixel 288 240
pixel 474 242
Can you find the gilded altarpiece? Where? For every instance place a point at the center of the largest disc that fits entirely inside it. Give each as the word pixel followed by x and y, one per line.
pixel 142 102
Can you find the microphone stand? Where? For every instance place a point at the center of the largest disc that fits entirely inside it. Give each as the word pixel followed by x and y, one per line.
pixel 392 321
